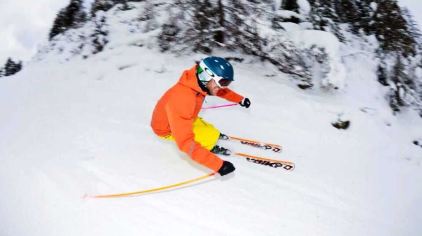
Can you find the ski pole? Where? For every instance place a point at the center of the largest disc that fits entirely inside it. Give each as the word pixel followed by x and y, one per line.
pixel 152 190
pixel 219 106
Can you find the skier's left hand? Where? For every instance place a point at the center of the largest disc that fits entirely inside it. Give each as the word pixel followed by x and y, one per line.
pixel 226 168
pixel 245 103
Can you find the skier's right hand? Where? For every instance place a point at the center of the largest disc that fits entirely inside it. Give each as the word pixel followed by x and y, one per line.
pixel 245 103
pixel 226 168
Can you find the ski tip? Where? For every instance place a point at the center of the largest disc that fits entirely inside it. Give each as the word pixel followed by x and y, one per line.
pixel 289 167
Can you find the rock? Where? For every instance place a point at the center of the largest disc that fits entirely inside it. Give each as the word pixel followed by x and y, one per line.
pixel 341 124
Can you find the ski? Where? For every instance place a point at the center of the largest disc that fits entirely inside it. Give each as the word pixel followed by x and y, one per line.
pixel 286 165
pixel 253 143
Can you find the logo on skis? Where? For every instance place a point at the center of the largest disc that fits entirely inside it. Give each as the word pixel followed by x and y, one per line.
pixel 271 164
pixel 266 146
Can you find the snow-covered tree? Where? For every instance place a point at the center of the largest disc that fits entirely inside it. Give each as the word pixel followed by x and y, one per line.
pixel 398 53
pixel 404 77
pixel 324 17
pixel 398 89
pixel 261 28
pixel 348 12
pixel 391 29
pixel 69 17
pixel 101 5
pixel 202 31
pixel 148 15
pixel 365 12
pixel 394 31
pixel 99 36
pixel 189 27
pixel 168 36
pixel 206 25
pixel 105 5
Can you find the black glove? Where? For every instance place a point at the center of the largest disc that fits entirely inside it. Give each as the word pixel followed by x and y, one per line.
pixel 245 102
pixel 226 168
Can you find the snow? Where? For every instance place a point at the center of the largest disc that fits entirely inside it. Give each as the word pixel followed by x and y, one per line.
pixel 71 126
pixel 305 7
pixel 288 14
pixel 304 38
pixel 82 127
pixel 414 6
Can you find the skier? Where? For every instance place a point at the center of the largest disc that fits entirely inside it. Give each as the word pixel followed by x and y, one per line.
pixel 175 116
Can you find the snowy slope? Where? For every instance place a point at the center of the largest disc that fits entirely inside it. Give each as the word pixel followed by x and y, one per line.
pixel 71 126
pixel 83 127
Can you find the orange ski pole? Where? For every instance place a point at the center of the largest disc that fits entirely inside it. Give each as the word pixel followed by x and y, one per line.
pixel 152 190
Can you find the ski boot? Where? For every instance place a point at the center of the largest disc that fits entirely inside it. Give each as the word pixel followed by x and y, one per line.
pixel 223 137
pixel 221 150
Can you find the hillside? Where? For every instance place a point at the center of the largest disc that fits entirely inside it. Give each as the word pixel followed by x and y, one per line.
pixel 74 125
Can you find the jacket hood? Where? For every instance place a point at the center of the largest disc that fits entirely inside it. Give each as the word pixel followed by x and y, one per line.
pixel 189 79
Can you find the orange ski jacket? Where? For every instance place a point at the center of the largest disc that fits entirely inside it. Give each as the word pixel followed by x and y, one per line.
pixel 176 111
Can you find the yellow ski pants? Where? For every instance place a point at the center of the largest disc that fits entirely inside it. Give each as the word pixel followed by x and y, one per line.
pixel 205 133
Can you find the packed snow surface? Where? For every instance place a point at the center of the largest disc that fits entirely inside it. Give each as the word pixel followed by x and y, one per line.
pixel 83 127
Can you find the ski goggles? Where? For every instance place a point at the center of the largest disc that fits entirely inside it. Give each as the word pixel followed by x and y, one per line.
pixel 220 81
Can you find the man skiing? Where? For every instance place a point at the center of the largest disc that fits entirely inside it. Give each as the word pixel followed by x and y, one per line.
pixel 175 116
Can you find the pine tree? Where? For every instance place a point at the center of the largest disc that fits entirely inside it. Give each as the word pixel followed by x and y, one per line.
pixel 219 33
pixel 405 88
pixel 204 26
pixel 382 75
pixel 347 12
pixel 150 17
pixel 71 16
pixel 99 37
pixel 290 5
pixel 105 5
pixel 171 35
pixel 101 5
pixel 240 31
pixel 324 17
pixel 168 36
pixel 192 25
pixel 11 67
pixel 391 29
pixel 398 90
pixel 364 13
